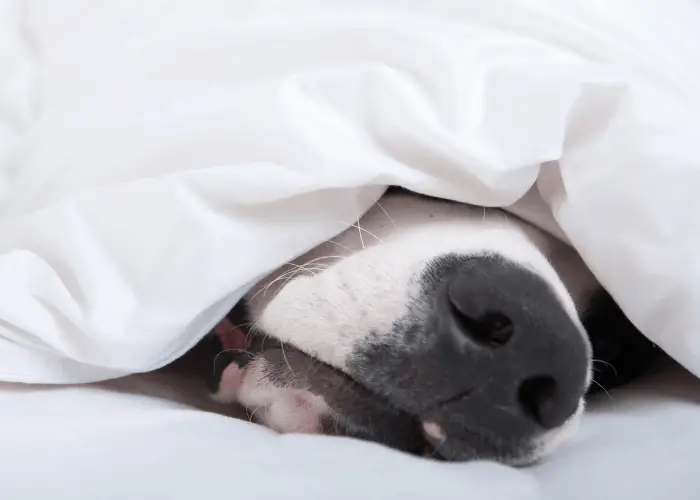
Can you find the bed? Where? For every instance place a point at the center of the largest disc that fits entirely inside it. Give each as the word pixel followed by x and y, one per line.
pixel 139 438
pixel 156 158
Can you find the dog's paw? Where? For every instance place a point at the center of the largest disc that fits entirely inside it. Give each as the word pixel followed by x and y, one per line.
pixel 273 397
pixel 290 392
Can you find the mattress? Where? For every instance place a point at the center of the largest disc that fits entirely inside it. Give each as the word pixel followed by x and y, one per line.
pixel 148 437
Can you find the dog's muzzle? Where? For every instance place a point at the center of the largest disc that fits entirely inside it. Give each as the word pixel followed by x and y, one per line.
pixel 495 364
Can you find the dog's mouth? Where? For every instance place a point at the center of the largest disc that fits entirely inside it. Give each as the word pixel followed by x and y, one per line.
pixel 355 409
pixel 362 413
pixel 414 401
pixel 352 409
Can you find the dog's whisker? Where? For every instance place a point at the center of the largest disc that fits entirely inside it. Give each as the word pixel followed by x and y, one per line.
pixel 264 290
pixel 288 275
pixel 241 325
pixel 252 331
pixel 323 257
pixel 342 246
pixel 284 355
pixel 387 215
pixel 243 351
pixel 251 415
pixel 305 268
pixel 602 388
pixel 359 227
pixel 361 230
pixel 610 365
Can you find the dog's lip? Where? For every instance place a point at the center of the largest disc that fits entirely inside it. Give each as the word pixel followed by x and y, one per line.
pixel 431 443
pixel 434 438
pixel 451 448
pixel 444 445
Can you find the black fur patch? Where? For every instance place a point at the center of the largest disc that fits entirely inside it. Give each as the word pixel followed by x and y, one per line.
pixel 621 353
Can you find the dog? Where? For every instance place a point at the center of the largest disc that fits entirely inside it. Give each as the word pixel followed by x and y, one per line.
pixel 433 327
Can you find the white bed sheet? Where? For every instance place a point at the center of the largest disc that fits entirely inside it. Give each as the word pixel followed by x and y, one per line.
pixel 113 441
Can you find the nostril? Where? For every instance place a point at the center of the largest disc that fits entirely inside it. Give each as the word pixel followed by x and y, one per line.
pixel 491 329
pixel 537 396
pixel 498 326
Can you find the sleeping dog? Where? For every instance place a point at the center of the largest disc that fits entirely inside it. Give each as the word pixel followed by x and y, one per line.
pixel 433 327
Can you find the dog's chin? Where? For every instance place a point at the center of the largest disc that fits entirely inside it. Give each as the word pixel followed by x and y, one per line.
pixel 463 444
pixel 458 450
pixel 417 435
pixel 336 404
pixel 482 446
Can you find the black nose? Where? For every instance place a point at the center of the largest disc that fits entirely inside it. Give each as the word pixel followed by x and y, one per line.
pixel 516 360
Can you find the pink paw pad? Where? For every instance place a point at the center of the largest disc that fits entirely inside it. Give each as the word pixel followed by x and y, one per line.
pixel 297 413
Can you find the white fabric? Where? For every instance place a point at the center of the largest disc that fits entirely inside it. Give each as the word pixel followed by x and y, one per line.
pixel 157 157
pixel 88 443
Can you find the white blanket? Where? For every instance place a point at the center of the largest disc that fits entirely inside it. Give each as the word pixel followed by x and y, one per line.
pixel 157 157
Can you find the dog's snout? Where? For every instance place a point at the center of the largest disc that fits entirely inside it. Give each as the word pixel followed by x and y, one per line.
pixel 520 358
pixel 493 360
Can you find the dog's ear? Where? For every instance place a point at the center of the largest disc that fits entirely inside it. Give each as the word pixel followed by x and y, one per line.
pixel 621 353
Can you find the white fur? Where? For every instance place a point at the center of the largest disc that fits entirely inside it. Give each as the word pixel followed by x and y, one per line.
pixel 329 304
